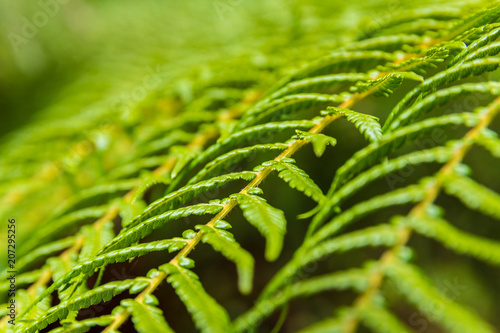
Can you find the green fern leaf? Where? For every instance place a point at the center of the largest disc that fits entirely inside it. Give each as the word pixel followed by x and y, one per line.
pixel 485 39
pixel 83 325
pixel 349 279
pixel 223 242
pixel 490 141
pixel 459 241
pixel 420 66
pixel 421 293
pixel 382 235
pixel 367 124
pixel 91 297
pixel 385 85
pixel 146 318
pixel 298 179
pixel 270 221
pixel 133 234
pixel 227 161
pixel 318 140
pixel 382 321
pixel 474 195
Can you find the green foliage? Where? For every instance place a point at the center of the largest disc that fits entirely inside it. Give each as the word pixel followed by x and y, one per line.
pixel 415 184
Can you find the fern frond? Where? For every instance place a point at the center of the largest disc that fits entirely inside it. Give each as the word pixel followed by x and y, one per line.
pixel 100 294
pixel 185 194
pixel 207 314
pixel 367 124
pixel 381 320
pixel 82 171
pixel 459 241
pixel 420 65
pixel 318 140
pixel 227 161
pixel 270 221
pixel 88 267
pixel 421 293
pixel 147 318
pixel 298 179
pixel 282 107
pixel 439 98
pixel 82 325
pixel 385 85
pixel 485 39
pixel 139 231
pixel 473 195
pixel 382 235
pixel 457 72
pixel 354 278
pixel 490 141
pixel 224 242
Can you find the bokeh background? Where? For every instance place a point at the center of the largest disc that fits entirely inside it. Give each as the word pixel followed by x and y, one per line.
pixel 82 83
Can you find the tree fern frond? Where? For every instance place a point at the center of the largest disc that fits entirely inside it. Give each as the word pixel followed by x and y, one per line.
pixel 318 82
pixel 413 193
pixel 207 314
pixel 381 320
pixel 88 267
pixel 421 65
pixel 433 12
pixel 473 195
pixel 490 141
pixel 280 108
pixel 270 221
pixel 475 20
pixel 139 231
pixel 224 242
pixel 95 239
pixel 367 124
pixel 185 194
pixel 459 241
pixel 457 72
pixel 382 235
pixel 485 39
pixel 298 179
pixel 259 131
pixel 420 292
pixel 389 143
pixel 440 97
pixel 105 173
pixel 91 297
pixel 386 43
pixel 385 85
pixel 318 140
pixel 226 161
pixel 342 61
pixel 147 318
pixel 354 278
pixel 83 325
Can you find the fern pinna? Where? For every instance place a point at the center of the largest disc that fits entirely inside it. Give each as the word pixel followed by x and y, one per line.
pixel 233 134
